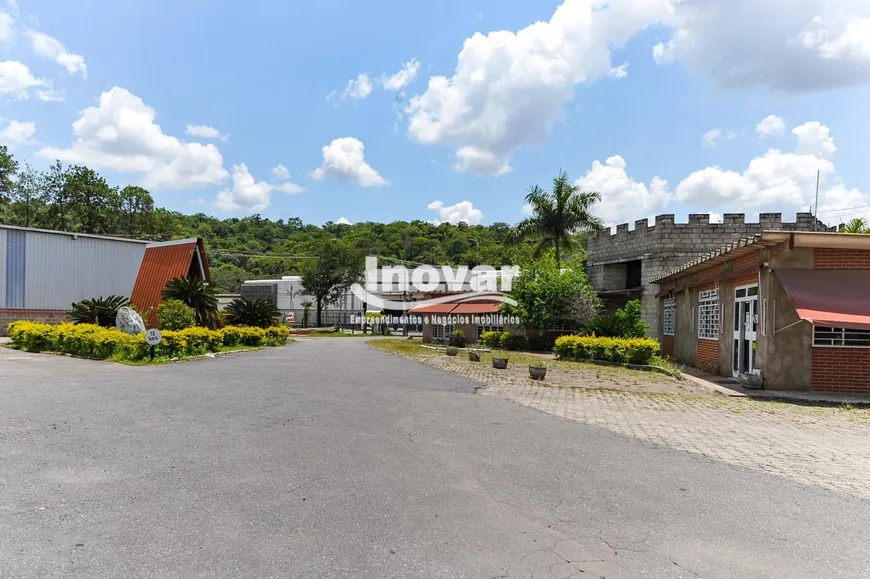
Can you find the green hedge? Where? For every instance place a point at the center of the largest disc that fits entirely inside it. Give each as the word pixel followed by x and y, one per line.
pixel 620 350
pixel 90 341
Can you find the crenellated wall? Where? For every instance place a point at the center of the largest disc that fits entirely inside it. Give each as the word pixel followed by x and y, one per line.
pixel 667 245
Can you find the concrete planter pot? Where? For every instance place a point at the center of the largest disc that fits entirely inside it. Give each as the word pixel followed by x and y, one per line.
pixel 500 363
pixel 451 351
pixel 537 372
pixel 474 357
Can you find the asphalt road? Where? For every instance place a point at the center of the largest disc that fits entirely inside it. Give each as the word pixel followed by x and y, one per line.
pixel 330 459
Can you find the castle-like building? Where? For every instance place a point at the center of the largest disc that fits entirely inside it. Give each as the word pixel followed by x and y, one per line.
pixel 621 264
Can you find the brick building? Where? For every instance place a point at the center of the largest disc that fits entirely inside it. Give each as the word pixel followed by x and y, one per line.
pixel 789 309
pixel 622 265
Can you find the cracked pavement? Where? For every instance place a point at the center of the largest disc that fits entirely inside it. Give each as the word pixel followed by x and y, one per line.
pixel 331 459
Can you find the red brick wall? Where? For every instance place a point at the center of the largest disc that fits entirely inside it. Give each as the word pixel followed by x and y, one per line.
pixel 844 370
pixel 45 316
pixel 745 261
pixel 668 346
pixel 708 352
pixel 745 280
pixel 824 258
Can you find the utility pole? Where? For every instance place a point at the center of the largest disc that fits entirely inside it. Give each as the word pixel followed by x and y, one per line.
pixel 816 214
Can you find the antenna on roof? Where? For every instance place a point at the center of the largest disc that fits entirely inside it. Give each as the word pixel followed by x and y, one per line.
pixel 816 214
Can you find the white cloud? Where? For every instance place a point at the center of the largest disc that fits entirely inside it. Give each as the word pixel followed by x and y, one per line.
pixel 49 47
pixel 246 193
pixel 528 209
pixel 49 95
pixel 289 188
pixel 710 137
pixel 343 221
pixel 358 88
pixel 770 126
pixel 508 88
pixel 622 197
pixel 205 132
pixel 791 45
pixel 775 181
pixel 344 160
pixel 120 135
pixel 280 172
pixel 462 211
pixel 16 80
pixel 620 71
pixel 17 133
pixel 405 76
pixel 814 138
pixel 7 28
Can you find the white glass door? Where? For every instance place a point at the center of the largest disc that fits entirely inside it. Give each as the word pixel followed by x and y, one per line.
pixel 745 330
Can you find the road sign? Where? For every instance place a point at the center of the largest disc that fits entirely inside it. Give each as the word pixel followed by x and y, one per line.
pixel 152 336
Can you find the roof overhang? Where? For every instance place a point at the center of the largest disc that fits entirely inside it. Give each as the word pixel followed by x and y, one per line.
pixel 832 298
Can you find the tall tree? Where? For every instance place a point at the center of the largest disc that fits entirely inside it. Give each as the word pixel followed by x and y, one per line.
pixel 27 197
pixel 90 197
pixel 8 169
pixel 328 276
pixel 557 215
pixel 136 206
pixel 55 195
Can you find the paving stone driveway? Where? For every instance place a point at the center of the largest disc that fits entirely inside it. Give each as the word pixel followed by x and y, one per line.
pixel 824 446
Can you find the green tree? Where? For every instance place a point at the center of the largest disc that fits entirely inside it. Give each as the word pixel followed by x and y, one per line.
pixel 194 292
pixel 227 278
pixel 55 195
pixel 90 198
pixel 137 206
pixel 857 225
pixel 558 215
pixel 27 202
pixel 8 169
pixel 327 277
pixel 176 315
pixel 547 294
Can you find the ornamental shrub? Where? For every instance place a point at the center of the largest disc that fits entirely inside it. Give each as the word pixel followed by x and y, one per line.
pixel 176 315
pixel 493 340
pixel 620 350
pixel 277 335
pixel 515 342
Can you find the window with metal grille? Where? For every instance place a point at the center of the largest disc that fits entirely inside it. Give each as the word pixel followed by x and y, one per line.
pixel 708 315
pixel 482 329
pixel 670 321
pixel 840 337
pixel 442 333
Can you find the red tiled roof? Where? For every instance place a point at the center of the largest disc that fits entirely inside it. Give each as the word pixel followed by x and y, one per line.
pixel 161 263
pixel 433 309
pixel 478 308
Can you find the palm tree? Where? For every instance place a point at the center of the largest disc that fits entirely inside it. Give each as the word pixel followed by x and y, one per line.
pixel 557 215
pixel 100 311
pixel 255 313
pixel 857 225
pixel 194 292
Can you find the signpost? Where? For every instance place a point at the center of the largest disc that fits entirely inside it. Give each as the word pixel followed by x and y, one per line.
pixel 152 338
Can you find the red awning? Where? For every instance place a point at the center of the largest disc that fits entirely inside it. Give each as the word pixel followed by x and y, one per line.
pixel 478 308
pixel 832 298
pixel 433 309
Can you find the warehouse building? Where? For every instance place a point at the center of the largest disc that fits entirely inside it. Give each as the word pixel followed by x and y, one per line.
pixel 43 272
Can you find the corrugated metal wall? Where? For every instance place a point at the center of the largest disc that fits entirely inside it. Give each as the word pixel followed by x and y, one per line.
pixel 16 251
pixel 60 269
pixel 2 268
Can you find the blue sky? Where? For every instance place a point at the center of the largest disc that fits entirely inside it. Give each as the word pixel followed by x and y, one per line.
pixel 518 101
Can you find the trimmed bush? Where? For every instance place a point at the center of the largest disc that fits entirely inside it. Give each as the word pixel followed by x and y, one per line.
pixel 176 315
pixel 277 335
pixel 92 341
pixel 493 340
pixel 621 350
pixel 515 342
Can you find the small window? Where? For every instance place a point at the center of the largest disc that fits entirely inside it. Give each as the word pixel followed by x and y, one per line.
pixel 840 337
pixel 670 317
pixel 482 329
pixel 753 291
pixel 708 315
pixel 741 293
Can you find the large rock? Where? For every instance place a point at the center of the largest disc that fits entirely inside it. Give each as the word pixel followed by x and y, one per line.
pixel 129 321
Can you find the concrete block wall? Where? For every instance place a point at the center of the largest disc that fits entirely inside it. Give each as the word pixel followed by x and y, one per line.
pixel 43 316
pixel 667 245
